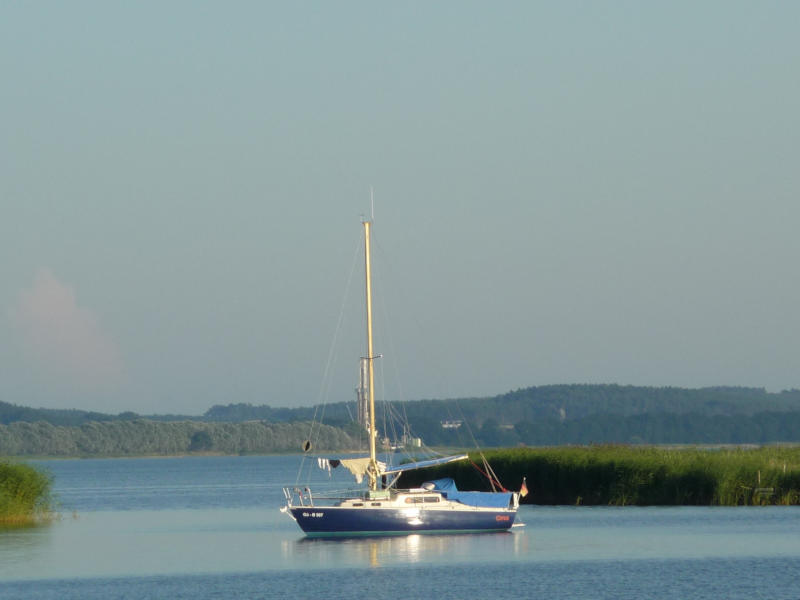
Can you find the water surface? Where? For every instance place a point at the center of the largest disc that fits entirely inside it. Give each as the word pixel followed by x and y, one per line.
pixel 210 527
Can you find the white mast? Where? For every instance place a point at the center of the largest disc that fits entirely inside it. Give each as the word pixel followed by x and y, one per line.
pixel 373 459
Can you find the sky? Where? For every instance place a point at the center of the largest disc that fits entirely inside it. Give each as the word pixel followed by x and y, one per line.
pixel 564 192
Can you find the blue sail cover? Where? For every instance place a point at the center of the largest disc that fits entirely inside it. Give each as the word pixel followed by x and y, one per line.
pixel 481 499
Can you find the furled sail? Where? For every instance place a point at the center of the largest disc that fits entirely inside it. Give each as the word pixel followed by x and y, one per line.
pixel 422 464
pixel 359 466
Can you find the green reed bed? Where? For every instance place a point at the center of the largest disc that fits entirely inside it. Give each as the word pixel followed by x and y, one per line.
pixel 24 494
pixel 643 476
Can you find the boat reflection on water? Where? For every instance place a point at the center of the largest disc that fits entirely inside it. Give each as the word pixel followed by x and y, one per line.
pixel 381 551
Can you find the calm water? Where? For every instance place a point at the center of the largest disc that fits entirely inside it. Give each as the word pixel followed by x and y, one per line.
pixel 210 528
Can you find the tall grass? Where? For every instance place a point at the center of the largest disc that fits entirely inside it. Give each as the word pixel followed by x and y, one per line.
pixel 625 475
pixel 25 495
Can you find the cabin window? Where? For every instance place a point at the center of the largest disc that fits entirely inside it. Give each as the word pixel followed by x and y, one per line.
pixel 376 504
pixel 421 499
pixel 358 504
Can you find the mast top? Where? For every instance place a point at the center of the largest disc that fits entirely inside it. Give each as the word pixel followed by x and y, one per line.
pixel 371 218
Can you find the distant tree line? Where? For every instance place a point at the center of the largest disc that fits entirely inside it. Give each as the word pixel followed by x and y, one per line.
pixel 143 437
pixel 583 414
pixel 13 413
pixel 560 402
pixel 761 428
pixel 536 416
pixel 660 428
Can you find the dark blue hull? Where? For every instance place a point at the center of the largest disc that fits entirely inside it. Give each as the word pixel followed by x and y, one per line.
pixel 329 521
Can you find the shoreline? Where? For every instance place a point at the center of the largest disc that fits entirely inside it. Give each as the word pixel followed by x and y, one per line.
pixel 437 449
pixel 26 457
pixel 603 475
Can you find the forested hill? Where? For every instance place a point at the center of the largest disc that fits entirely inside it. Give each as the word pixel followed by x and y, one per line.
pixel 562 402
pixel 142 437
pixel 536 416
pixel 581 414
pixel 13 413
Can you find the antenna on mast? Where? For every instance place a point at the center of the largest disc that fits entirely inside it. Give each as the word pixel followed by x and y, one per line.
pixel 372 203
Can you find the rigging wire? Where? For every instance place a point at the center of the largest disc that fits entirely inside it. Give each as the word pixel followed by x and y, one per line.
pixel 391 415
pixel 325 384
pixel 389 406
pixel 489 472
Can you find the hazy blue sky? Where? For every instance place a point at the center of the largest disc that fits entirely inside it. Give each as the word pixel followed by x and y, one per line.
pixel 565 192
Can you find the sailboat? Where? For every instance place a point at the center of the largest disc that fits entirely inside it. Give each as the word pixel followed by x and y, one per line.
pixel 383 508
